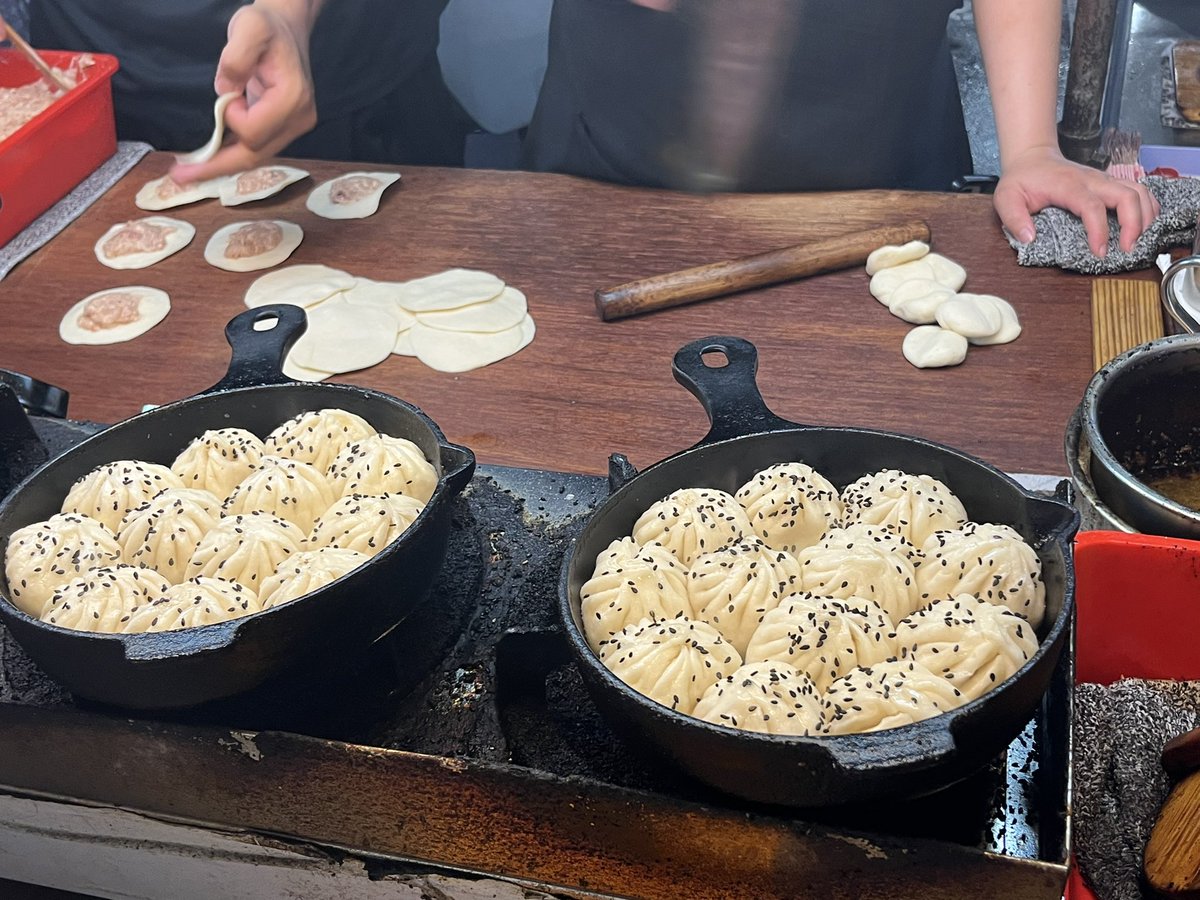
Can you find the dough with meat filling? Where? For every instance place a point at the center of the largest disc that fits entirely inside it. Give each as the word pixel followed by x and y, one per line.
pixel 308 571
pixel 692 521
pixel 886 695
pixel 318 436
pixel 632 582
pixel 249 246
pixel 163 533
pixel 382 464
pixel 44 556
pixel 364 523
pixel 790 505
pixel 245 548
pixel 199 601
pixel 258 184
pixel 354 195
pixel 915 506
pixel 218 460
pixel 143 242
pixel 772 698
pixel 109 491
pixel 114 315
pixel 287 488
pixel 102 600
pixel 866 569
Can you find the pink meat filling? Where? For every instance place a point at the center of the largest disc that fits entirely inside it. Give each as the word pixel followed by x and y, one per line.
pixel 352 188
pixel 137 237
pixel 109 311
pixel 253 239
pixel 259 180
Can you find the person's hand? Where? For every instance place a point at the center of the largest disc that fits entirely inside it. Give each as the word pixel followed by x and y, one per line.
pixel 266 60
pixel 1042 176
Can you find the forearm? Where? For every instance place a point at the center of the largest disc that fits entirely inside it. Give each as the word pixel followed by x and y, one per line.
pixel 1019 40
pixel 302 14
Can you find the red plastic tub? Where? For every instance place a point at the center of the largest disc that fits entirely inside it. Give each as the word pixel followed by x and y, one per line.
pixel 55 150
pixel 1118 577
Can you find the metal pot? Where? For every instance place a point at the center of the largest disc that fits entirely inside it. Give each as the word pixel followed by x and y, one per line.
pixel 1139 420
pixel 336 623
pixel 818 771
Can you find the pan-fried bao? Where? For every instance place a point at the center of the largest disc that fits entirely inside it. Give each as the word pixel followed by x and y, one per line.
pixel 235 525
pixel 793 608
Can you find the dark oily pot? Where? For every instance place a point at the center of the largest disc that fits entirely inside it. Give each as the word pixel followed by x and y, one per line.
pixel 808 770
pixel 333 624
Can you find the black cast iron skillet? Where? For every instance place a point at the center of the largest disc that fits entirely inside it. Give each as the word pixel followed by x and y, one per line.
pixel 330 626
pixel 820 771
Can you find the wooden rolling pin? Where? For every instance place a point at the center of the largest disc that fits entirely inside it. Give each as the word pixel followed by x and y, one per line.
pixel 746 272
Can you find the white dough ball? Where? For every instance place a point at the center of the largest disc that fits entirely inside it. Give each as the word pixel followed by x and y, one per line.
pixel 218 460
pixel 190 604
pixel 364 523
pixel 693 521
pixel 43 556
pixel 317 437
pixel 933 347
pixel 772 698
pixel 673 662
pixel 163 533
pixel 917 300
pixel 734 587
pixel 823 637
pixel 245 548
pixel 103 599
pixel 790 505
pixel 1010 328
pixel 382 464
pixel 308 571
pixel 886 695
pixel 972 318
pixel 631 583
pixel 914 506
pixel 895 254
pixel 108 492
pixel 991 562
pixel 866 569
pixel 286 488
pixel 974 644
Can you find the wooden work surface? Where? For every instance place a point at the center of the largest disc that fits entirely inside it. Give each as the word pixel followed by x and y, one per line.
pixel 828 353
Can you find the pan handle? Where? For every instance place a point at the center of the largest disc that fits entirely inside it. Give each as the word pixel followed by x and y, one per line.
pixel 933 748
pixel 176 644
pixel 728 392
pixel 258 353
pixel 458 465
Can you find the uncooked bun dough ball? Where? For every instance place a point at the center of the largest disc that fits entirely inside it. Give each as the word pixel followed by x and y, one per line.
pixel 790 505
pixel 163 533
pixel 886 695
pixel 915 506
pixel 308 571
pixel 991 562
pixel 364 523
pixel 772 698
pixel 894 255
pixel 734 587
pixel 245 548
pixel 287 488
pixel 218 460
pixel 933 347
pixel 108 492
pixel 823 637
pixel 201 601
pixel 972 643
pixel 865 569
pixel 631 583
pixel 693 521
pixel 382 464
pixel 103 599
pixel 46 555
pixel 318 437
pixel 672 662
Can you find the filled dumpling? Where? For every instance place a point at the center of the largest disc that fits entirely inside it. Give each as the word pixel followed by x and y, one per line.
pixel 103 599
pixel 354 195
pixel 876 535
pixel 790 505
pixel 199 601
pixel 382 464
pixel 218 460
pixel 914 505
pixel 771 697
pixel 863 569
pixel 287 488
pixel 673 662
pixel 692 521
pixel 257 184
pixel 46 555
pixel 631 583
pixel 143 242
pixel 249 246
pixel 108 492
pixel 886 695
pixel 308 571
pixel 364 523
pixel 163 533
pixel 245 548
pixel 317 437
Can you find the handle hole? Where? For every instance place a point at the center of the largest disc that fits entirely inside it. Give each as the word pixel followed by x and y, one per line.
pixel 714 358
pixel 266 322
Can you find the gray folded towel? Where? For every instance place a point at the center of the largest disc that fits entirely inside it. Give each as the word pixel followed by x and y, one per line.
pixel 1062 242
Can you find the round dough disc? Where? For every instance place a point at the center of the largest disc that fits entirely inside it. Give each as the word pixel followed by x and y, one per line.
pixel 320 199
pixel 302 285
pixel 164 193
pixel 258 184
pixel 461 351
pixel 214 252
pixel 505 310
pixel 153 306
pixel 404 345
pixel 179 236
pixel 297 372
pixel 449 290
pixel 344 338
pixel 383 294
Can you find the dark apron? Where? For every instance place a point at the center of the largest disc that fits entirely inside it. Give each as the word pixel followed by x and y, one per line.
pixel 867 98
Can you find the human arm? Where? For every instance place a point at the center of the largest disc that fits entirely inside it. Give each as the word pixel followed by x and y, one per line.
pixel 1020 44
pixel 266 60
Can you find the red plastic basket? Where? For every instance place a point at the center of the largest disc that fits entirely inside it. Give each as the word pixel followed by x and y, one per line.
pixel 1119 578
pixel 55 150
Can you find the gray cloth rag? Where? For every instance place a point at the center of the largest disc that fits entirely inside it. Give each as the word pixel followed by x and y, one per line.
pixel 69 208
pixel 1062 242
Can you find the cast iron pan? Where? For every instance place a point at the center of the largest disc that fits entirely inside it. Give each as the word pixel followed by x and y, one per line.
pixel 820 771
pixel 327 627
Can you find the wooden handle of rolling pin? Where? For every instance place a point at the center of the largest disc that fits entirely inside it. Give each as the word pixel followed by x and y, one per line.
pixel 746 272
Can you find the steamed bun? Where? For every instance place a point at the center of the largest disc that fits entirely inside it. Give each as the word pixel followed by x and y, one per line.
pixel 693 521
pixel 772 698
pixel 790 505
pixel 318 437
pixel 382 464
pixel 200 601
pixel 364 523
pixel 673 662
pixel 163 533
pixel 219 459
pixel 286 488
pixel 108 492
pixel 914 505
pixel 308 571
pixel 861 568
pixel 878 535
pixel 245 548
pixel 823 637
pixel 886 695
pixel 631 583
pixel 46 555
pixel 970 642
pixel 734 587
pixel 992 562
pixel 103 599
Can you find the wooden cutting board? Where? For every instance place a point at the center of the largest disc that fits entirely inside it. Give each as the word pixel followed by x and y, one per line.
pixel 1185 56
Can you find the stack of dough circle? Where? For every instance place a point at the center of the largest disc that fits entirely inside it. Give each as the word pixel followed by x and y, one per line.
pixel 882 596
pixel 238 523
